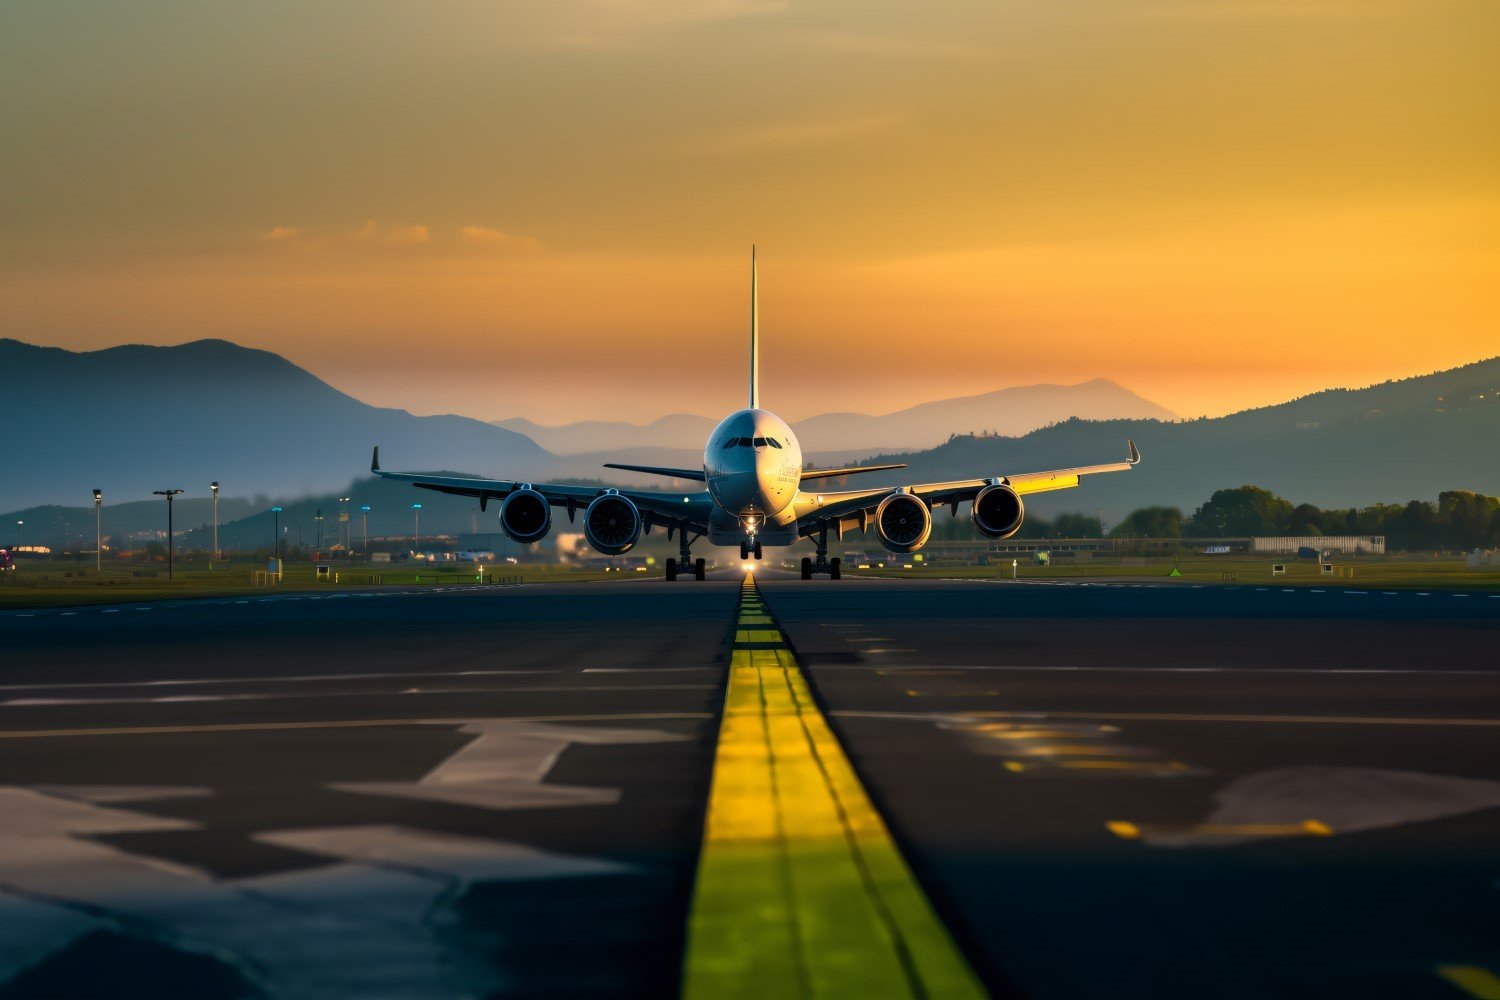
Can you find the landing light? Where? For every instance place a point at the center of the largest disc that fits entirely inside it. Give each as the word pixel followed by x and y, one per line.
pixel 748 567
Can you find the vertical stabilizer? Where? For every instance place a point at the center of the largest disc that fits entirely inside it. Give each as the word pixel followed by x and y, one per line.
pixel 754 335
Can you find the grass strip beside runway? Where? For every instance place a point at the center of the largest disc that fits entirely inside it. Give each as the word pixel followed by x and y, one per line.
pixel 800 889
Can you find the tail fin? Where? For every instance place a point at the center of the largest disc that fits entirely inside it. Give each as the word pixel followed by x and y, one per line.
pixel 754 335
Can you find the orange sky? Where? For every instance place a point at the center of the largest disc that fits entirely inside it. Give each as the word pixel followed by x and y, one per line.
pixel 499 208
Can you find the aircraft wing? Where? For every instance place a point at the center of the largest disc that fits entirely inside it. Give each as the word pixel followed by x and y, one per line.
pixel 853 508
pixel 665 509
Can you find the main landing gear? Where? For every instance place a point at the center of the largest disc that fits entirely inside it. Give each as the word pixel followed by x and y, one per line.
pixel 685 565
pixel 822 564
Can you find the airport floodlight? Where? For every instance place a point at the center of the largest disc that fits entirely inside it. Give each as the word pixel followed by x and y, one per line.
pixel 169 494
pixel 364 508
pixel 275 532
pixel 416 529
pixel 214 486
pixel 98 532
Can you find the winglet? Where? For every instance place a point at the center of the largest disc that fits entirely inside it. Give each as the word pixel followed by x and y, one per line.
pixel 1135 453
pixel 375 460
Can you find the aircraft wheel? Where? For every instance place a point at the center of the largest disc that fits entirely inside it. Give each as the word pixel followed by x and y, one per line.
pixel 744 552
pixel 834 569
pixel 757 550
pixel 671 569
pixel 806 568
pixel 698 568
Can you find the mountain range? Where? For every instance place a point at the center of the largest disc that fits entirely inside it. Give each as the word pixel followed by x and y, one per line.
pixel 1012 411
pixel 135 419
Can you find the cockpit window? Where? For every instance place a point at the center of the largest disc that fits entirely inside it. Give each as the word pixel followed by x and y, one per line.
pixel 760 442
pixel 730 443
pixel 773 442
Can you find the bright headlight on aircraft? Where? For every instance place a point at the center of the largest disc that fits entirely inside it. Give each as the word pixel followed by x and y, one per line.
pixel 748 567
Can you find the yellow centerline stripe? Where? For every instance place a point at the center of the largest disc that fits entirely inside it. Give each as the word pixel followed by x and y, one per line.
pixel 800 889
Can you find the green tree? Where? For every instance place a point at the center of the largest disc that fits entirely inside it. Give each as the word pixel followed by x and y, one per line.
pixel 1466 517
pixel 1076 526
pixel 1244 510
pixel 1150 522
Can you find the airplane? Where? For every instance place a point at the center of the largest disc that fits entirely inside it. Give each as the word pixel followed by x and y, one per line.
pixel 756 494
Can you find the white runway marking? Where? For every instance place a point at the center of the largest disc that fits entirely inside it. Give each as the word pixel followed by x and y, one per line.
pixel 1330 720
pixel 376 922
pixel 504 768
pixel 278 679
pixel 1401 671
pixel 309 695
pixel 645 670
pixel 256 727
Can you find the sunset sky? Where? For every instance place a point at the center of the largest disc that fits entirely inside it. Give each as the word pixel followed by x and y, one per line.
pixel 546 208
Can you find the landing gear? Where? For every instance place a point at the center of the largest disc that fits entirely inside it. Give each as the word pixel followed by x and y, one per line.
pixel 747 550
pixel 822 564
pixel 685 564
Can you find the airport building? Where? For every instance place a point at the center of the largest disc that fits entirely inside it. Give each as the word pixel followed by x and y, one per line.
pixel 1369 544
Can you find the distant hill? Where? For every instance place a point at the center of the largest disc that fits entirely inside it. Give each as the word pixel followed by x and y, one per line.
pixel 134 419
pixel 676 430
pixel 1397 441
pixel 1013 411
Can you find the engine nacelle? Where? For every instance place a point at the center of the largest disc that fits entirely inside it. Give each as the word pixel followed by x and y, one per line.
pixel 998 511
pixel 525 516
pixel 903 522
pixel 612 524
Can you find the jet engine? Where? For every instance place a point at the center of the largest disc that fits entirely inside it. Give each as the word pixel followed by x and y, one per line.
pixel 904 522
pixel 998 511
pixel 612 524
pixel 525 516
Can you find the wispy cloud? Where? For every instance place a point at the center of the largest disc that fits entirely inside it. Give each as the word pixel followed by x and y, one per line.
pixel 1261 10
pixel 392 235
pixel 768 137
pixel 278 233
pixel 600 24
pixel 496 239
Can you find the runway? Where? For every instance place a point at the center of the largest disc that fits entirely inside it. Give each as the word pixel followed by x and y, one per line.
pixel 1101 790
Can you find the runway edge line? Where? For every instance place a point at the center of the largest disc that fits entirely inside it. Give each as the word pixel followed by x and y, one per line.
pixel 800 889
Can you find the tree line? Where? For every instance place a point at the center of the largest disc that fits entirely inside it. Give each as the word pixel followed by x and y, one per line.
pixel 1459 520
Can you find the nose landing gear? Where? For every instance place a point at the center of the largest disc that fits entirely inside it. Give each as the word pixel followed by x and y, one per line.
pixel 747 549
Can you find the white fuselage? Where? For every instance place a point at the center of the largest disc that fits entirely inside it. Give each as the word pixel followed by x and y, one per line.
pixel 752 465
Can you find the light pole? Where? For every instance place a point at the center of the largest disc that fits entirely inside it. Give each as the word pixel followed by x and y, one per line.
pixel 275 532
pixel 416 533
pixel 318 517
pixel 346 530
pixel 20 536
pixel 169 494
pixel 364 525
pixel 215 488
pixel 98 532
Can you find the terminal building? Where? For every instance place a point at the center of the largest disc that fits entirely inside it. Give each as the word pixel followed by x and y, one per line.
pixel 1368 544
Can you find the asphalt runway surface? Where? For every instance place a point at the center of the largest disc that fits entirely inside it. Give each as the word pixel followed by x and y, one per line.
pixel 1128 790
